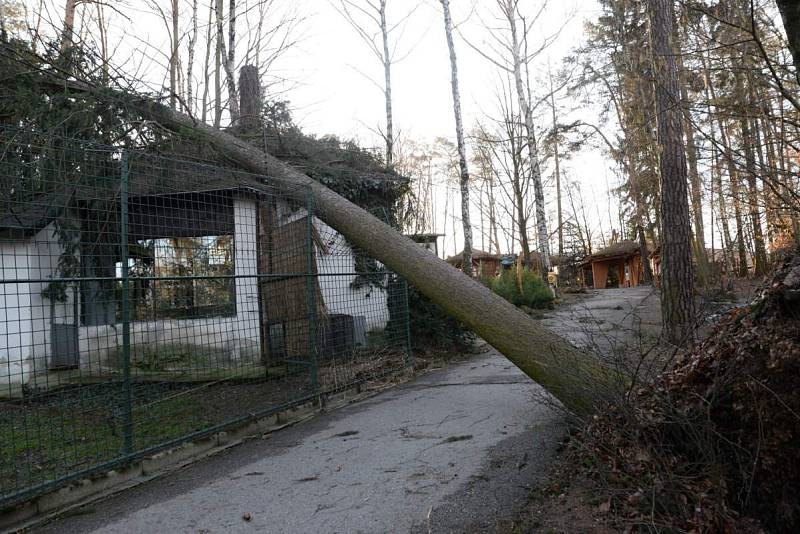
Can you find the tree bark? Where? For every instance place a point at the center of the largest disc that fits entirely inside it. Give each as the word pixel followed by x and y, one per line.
pixel 677 284
pixel 250 100
pixel 462 149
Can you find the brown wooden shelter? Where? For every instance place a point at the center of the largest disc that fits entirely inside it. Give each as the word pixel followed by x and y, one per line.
pixel 483 263
pixel 619 264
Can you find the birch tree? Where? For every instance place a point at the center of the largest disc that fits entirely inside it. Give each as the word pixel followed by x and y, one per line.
pixel 509 9
pixel 515 44
pixel 190 100
pixel 173 56
pixel 462 150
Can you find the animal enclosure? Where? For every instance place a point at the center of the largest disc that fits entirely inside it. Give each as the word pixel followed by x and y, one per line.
pixel 148 300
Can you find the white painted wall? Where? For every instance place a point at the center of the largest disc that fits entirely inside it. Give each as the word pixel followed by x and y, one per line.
pixel 15 313
pixel 368 301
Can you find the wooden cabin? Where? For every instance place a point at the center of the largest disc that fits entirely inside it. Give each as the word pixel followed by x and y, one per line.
pixel 618 265
pixel 483 263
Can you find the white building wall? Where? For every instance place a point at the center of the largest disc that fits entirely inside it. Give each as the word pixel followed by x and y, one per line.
pixel 339 297
pixel 15 314
pixel 25 315
pixel 368 301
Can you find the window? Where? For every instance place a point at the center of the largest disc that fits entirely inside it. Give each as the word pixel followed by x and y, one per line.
pixel 198 278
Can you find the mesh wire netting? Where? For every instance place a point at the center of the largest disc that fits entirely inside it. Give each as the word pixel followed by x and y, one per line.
pixel 146 300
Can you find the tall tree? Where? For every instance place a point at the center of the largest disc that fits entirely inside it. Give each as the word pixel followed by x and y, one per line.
pixel 190 100
pixel 173 56
pixel 677 283
pixel 462 149
pixel 226 58
pixel 557 164
pixel 509 9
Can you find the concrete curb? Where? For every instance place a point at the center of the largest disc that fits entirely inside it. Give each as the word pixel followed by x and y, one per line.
pixel 79 493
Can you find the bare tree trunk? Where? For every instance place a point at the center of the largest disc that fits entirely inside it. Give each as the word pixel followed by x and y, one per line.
pixel 493 218
pixel 190 64
pixel 521 219
pixel 462 153
pixel 230 64
pixel 694 176
pixel 173 58
pixel 695 181
pixel 387 88
pixel 677 284
pixel 752 190
pixel 733 177
pixel 218 65
pixel 229 61
pixel 509 8
pixel 101 26
pixel 716 170
pixel 69 25
pixel 206 63
pixel 250 98
pixel 557 164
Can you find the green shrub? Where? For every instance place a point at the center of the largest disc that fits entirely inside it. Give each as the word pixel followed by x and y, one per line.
pixel 535 291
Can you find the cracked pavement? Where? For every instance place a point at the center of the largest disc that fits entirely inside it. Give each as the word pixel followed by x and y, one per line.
pixel 457 449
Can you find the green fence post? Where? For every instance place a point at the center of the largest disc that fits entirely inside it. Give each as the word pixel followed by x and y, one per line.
pixel 409 349
pixel 126 309
pixel 311 297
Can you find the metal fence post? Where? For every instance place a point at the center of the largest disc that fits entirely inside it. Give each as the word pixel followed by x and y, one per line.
pixel 126 309
pixel 409 349
pixel 311 297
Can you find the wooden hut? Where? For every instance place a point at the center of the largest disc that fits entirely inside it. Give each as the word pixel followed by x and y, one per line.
pixel 483 263
pixel 618 265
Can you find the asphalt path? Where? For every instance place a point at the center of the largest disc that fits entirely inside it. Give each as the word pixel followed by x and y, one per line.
pixel 457 449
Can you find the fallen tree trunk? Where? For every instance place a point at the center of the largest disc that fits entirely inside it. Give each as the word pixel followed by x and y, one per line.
pixel 572 376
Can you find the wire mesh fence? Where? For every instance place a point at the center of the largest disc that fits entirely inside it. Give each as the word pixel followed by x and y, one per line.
pixel 145 301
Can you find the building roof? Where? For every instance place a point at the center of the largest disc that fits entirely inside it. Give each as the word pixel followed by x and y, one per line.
pixel 620 249
pixel 477 254
pixel 424 238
